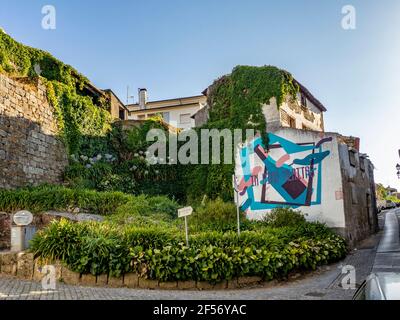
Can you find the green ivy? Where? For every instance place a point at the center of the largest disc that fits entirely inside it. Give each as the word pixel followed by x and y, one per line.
pixel 76 113
pixel 235 102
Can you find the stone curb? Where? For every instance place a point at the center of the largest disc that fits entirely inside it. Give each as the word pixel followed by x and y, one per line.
pixel 24 266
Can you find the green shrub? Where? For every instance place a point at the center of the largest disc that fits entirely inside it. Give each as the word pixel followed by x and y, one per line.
pixel 160 253
pixel 284 217
pixel 46 198
pixel 215 215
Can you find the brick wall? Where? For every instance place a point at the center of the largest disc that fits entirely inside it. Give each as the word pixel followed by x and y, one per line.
pixel 30 151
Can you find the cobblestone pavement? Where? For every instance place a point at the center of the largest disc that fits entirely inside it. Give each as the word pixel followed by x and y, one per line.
pixel 325 283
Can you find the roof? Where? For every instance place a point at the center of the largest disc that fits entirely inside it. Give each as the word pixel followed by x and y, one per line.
pixel 167 103
pixel 101 92
pixel 119 100
pixel 310 97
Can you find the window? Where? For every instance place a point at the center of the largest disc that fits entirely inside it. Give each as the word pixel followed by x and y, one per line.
pixel 141 117
pixel 303 100
pixel 362 163
pixel 287 120
pixel 122 114
pixel 292 122
pixel 284 117
pixel 352 158
pixel 184 118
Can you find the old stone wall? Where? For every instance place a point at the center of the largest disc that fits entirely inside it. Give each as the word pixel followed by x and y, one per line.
pixel 30 151
pixel 358 194
pixel 5 231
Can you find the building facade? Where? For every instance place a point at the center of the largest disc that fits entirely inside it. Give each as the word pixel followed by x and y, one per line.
pixel 176 112
pixel 305 112
pixel 315 172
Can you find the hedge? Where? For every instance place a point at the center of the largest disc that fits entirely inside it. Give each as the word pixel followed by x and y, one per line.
pixel 157 253
pixel 44 198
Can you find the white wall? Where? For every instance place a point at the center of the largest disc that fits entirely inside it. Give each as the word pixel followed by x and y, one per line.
pixel 174 115
pixel 331 209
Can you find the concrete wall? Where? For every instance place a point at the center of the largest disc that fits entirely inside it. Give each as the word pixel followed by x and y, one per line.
pixel 30 152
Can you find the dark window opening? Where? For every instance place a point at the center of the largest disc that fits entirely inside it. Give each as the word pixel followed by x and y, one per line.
pixel 292 122
pixel 362 164
pixel 303 100
pixel 121 114
pixel 352 158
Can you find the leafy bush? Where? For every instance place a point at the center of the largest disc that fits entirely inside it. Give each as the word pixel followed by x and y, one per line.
pixel 160 253
pixel 215 215
pixel 146 211
pixel 284 217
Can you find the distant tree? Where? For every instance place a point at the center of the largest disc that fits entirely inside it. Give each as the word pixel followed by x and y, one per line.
pixel 381 191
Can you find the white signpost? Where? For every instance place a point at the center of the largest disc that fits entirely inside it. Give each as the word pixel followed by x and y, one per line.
pixel 236 189
pixel 184 213
pixel 22 233
pixel 23 218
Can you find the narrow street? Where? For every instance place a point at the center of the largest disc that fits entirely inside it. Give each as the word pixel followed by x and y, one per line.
pixel 381 252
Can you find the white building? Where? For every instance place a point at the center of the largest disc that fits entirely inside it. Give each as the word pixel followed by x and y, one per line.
pixel 176 112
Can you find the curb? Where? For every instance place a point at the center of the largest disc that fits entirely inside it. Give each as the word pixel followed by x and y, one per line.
pixel 24 266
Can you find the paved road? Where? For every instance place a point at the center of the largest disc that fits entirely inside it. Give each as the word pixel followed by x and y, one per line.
pixel 324 283
pixel 388 254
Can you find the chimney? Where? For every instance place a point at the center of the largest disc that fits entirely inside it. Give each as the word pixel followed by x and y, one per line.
pixel 142 94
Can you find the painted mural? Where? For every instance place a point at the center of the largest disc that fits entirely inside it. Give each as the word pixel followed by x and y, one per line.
pixel 289 174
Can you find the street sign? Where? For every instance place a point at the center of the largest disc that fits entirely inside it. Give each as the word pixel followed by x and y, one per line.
pixel 184 212
pixel 23 218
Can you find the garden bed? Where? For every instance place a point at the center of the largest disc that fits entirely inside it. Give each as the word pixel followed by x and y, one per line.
pixel 142 235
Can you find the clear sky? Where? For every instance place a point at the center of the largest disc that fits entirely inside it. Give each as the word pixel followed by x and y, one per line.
pixel 178 47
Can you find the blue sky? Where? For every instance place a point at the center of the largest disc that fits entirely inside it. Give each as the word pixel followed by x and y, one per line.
pixel 178 47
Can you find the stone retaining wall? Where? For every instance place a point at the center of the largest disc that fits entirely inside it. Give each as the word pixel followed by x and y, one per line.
pixel 30 150
pixel 23 266
pixel 5 230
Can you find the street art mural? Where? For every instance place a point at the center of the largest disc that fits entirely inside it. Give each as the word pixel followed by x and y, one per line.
pixel 288 174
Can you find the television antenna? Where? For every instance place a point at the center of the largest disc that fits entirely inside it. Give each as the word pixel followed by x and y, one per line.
pixel 128 96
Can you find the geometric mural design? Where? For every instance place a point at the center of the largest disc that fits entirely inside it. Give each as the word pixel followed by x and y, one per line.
pixel 287 175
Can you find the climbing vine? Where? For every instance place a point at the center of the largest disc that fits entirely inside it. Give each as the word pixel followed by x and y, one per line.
pixel 235 102
pixel 77 114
